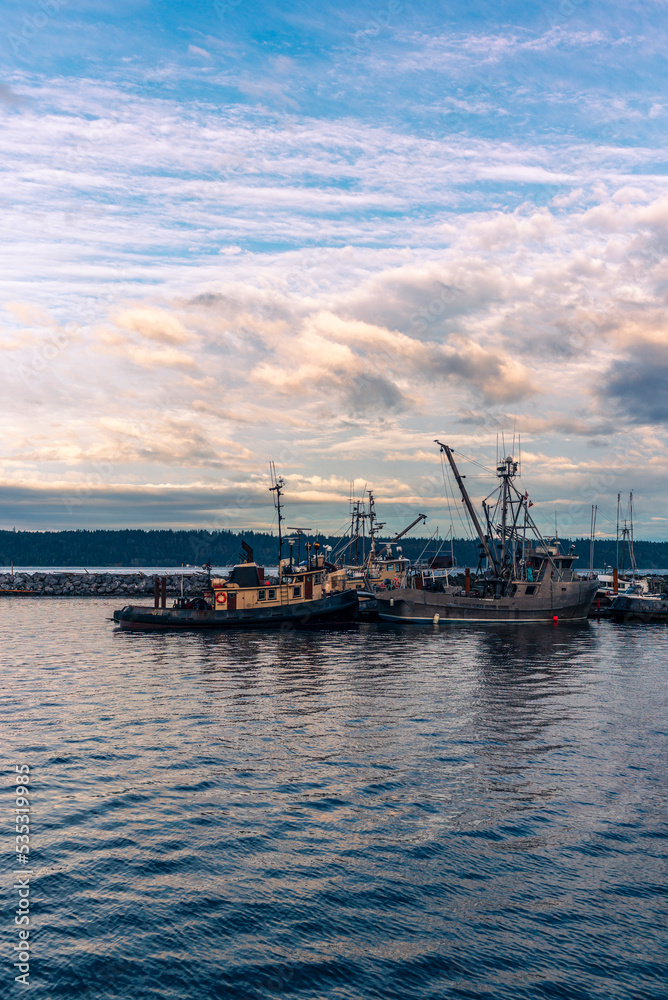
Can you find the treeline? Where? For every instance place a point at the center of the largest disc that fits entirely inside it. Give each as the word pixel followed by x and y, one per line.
pixel 137 547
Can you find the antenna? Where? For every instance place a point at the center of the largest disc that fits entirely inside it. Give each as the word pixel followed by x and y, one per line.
pixel 277 484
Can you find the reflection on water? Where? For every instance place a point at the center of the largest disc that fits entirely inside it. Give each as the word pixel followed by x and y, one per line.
pixel 374 811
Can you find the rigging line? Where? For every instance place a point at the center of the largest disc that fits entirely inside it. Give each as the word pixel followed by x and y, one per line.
pixel 426 546
pixel 467 458
pixel 466 527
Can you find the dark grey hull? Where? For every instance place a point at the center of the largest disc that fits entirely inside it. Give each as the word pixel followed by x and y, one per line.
pixel 567 602
pixel 328 610
pixel 638 609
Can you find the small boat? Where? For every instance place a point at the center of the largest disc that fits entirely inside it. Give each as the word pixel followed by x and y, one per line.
pixel 618 582
pixel 247 598
pixel 523 576
pixel 611 585
pixel 639 607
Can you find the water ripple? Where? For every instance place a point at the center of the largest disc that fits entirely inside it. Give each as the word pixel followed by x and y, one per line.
pixel 360 813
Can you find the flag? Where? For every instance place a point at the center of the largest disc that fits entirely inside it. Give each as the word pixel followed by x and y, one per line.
pixel 526 497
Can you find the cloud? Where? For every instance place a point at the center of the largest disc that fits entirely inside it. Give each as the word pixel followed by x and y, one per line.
pixel 499 379
pixel 638 384
pixel 30 314
pixel 10 98
pixel 335 287
pixel 153 324
pixel 373 394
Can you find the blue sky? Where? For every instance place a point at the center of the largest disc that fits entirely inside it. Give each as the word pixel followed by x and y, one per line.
pixel 238 230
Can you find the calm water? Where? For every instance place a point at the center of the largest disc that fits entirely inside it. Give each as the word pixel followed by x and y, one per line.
pixel 371 812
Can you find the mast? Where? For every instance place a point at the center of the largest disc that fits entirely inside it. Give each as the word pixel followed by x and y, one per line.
pixel 594 510
pixel 632 553
pixel 469 506
pixel 506 470
pixel 617 545
pixel 277 488
pixel 372 523
pixel 356 519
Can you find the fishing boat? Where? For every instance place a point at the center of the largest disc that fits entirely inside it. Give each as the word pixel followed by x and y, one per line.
pixel 523 577
pixel 247 598
pixel 382 568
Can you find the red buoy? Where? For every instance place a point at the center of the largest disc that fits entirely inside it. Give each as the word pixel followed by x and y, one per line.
pixel 555 618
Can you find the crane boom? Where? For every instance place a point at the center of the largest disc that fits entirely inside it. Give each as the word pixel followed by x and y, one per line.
pixel 469 506
pixel 420 517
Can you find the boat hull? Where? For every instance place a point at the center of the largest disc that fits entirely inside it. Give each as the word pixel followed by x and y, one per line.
pixel 571 602
pixel 327 610
pixel 639 609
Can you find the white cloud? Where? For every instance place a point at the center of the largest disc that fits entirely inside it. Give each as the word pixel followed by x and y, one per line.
pixel 328 291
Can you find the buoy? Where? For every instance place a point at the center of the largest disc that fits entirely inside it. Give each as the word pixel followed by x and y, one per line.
pixel 436 619
pixel 555 618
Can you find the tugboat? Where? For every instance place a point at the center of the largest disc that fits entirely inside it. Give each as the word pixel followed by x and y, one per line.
pixel 247 599
pixel 524 579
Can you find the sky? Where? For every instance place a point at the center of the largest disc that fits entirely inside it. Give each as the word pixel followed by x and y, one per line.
pixel 237 232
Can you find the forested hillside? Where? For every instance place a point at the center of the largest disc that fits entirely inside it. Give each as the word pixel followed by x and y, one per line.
pixel 136 547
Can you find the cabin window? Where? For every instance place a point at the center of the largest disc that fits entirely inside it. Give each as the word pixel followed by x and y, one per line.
pixel 317 578
pixel 261 594
pixel 529 591
pixel 390 567
pixel 271 596
pixel 296 591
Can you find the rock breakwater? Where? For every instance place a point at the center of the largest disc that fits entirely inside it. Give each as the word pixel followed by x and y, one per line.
pixel 100 584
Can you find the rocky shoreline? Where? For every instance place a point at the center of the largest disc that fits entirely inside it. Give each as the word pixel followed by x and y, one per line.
pixel 99 584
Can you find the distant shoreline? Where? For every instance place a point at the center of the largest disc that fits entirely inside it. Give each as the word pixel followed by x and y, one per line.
pixel 151 550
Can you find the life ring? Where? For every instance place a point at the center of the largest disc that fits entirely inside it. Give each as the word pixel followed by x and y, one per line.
pixel 221 598
pixel 397 581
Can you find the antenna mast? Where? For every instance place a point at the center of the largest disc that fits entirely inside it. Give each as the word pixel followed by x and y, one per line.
pixel 594 510
pixel 277 484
